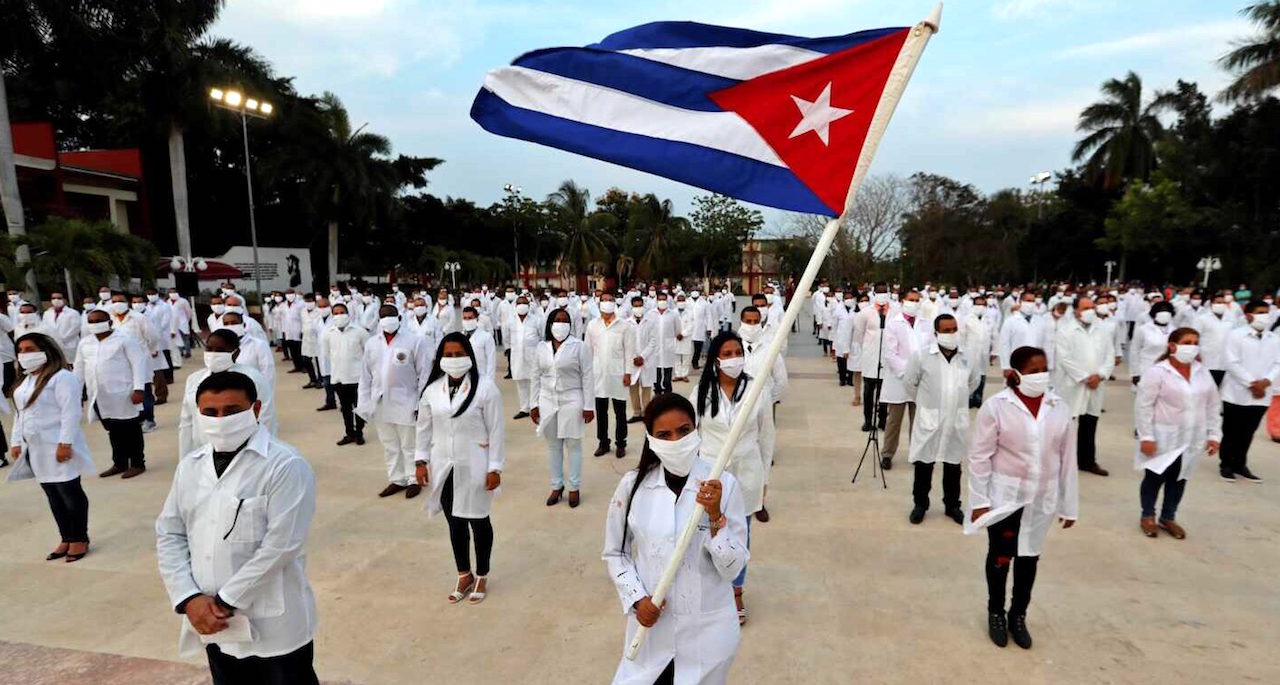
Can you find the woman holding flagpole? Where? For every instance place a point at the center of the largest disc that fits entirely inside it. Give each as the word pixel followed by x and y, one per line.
pixel 693 636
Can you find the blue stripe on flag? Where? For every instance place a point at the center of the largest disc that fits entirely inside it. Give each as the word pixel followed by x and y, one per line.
pixel 714 170
pixel 687 34
pixel 670 85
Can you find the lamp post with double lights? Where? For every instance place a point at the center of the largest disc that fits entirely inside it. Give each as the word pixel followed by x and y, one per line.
pixel 514 191
pixel 1039 180
pixel 246 107
pixel 1208 265
pixel 1110 263
pixel 452 268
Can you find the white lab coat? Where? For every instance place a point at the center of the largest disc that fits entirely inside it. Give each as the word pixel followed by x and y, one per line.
pixel 140 328
pixel 241 536
pixel 428 328
pixel 1018 331
pixel 561 385
pixel 111 370
pixel 699 628
pixel 688 329
pixel 699 311
pixel 1250 356
pixel 392 376
pixel 256 353
pixel 522 338
pixel 941 392
pixel 1213 339
pixel 447 316
pixel 1180 415
pixel 666 325
pixel 64 327
pixel 867 333
pixel 775 379
pixel 612 348
pixel 976 339
pixel 342 353
pixel 1017 461
pixel 1082 352
pixel 311 332
pixel 752 455
pixel 486 351
pixel 1149 342
pixel 469 446
pixel 190 439
pixel 901 340
pixel 53 419
pixel 292 314
pixel 646 346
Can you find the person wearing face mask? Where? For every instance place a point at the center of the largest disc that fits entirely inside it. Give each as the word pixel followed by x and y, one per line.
pixel 461 449
pixel 160 313
pixel 1177 421
pixel 504 310
pixel 292 310
pixel 444 312
pixel 315 311
pixel 236 303
pixel 341 357
pixel 1253 372
pixel 904 334
pixel 114 369
pixel 755 347
pixel 63 323
pixel 216 309
pixel 684 339
pixel 1085 360
pixel 559 398
pixel 323 322
pixel 849 346
pixel 939 379
pixel 15 300
pixel 253 352
pixel 977 340
pixel 28 321
pixel 482 342
pixel 1110 328
pixel 273 319
pixel 158 346
pixel 1022 328
pixel 698 307
pixel 231 542
pixel 868 332
pixel 1150 340
pixel 666 328
pixel 393 372
pixel 643 369
pixel 524 332
pixel 183 318
pixel 693 637
pixel 818 307
pixel 1022 474
pixel 420 321
pixel 611 341
pixel 719 397
pixel 49 444
pixel 222 350
pixel 130 320
pixel 1214 324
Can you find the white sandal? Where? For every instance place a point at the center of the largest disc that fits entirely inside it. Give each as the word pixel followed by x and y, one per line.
pixel 477 596
pixel 459 595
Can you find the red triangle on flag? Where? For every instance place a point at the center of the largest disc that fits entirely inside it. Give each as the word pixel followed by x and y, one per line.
pixel 815 115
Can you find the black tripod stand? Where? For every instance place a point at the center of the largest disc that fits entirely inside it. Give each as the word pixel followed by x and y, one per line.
pixel 873 438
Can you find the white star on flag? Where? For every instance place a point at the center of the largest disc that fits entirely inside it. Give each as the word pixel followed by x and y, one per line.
pixel 818 115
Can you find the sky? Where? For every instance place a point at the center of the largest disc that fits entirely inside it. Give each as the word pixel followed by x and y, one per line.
pixel 994 100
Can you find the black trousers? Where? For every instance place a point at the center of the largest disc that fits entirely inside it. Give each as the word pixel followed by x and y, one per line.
pixel 346 393
pixel 1174 486
pixel 697 354
pixel 310 365
pixel 668 675
pixel 460 530
pixel 924 483
pixel 1002 552
pixel 870 392
pixel 10 375
pixel 284 347
pixel 70 507
pixel 1239 423
pixel 127 447
pixel 663 383
pixel 294 348
pixel 1218 376
pixel 619 420
pixel 508 353
pixel 975 400
pixel 842 370
pixel 294 668
pixel 168 373
pixel 1086 443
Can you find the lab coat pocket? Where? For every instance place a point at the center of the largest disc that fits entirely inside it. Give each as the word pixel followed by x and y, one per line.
pixel 245 519
pixel 928 418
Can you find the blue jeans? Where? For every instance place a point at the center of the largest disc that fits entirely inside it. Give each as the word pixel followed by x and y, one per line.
pixel 1173 489
pixel 742 577
pixel 149 403
pixel 555 458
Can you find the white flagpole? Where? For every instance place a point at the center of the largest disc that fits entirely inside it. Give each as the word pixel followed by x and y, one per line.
pixel 908 57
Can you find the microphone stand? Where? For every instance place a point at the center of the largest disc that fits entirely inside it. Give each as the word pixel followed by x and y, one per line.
pixel 873 438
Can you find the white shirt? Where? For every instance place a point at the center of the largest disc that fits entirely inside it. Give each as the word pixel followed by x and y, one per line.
pixel 699 628
pixel 292 314
pixel 901 340
pixel 342 353
pixel 666 325
pixel 1178 414
pixel 469 446
pixel 941 390
pixel 612 348
pixel 256 353
pixel 1082 352
pixel 1213 339
pixel 522 338
pixel 241 536
pixel 1017 332
pixel 53 419
pixel 561 387
pixel 646 347
pixel 753 453
pixel 392 376
pixel 428 328
pixel 189 439
pixel 486 351
pixel 64 326
pixel 112 369
pixel 1150 340
pixel 1250 356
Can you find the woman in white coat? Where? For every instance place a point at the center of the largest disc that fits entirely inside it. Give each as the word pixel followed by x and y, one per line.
pixel 1150 340
pixel 693 637
pixel 559 402
pixel 48 440
pixel 1178 422
pixel 459 457
pixel 1022 474
pixel 718 398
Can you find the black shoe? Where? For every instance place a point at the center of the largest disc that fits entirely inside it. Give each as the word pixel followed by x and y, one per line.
pixel 327 407
pixel 508 376
pixel 955 514
pixel 1227 474
pixel 521 415
pixel 1248 475
pixel 886 463
pixel 917 515
pixel 359 438
pixel 866 428
pixel 635 419
pixel 621 451
pixel 602 450
pixel 998 629
pixel 3 461
pixel 1018 630
pixel 346 440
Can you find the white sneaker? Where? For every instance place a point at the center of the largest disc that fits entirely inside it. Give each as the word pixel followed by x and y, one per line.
pixel 148 426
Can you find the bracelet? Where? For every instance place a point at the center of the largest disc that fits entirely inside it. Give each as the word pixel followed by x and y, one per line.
pixel 719 523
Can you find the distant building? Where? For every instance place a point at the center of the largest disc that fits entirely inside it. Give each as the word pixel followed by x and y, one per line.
pixel 759 264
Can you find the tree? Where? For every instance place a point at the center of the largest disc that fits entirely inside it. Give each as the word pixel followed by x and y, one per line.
pixel 722 226
pixel 583 232
pixel 83 254
pixel 1148 220
pixel 655 223
pixel 1122 132
pixel 1256 61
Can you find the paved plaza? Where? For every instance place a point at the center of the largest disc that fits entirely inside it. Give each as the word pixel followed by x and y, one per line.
pixel 842 588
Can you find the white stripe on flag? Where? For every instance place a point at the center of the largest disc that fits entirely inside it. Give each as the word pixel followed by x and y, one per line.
pixel 589 103
pixel 734 63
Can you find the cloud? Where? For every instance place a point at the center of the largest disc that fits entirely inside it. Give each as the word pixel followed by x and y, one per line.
pixel 1210 38
pixel 1009 10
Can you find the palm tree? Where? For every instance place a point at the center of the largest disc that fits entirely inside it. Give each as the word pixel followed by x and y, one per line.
pixel 1257 60
pixel 654 220
pixel 584 232
pixel 87 254
pixel 1122 132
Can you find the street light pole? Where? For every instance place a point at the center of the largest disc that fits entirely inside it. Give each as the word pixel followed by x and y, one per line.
pixel 253 224
pixel 1208 265
pixel 1110 263
pixel 514 190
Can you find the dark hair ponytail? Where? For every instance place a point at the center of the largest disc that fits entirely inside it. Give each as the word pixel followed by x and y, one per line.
pixel 710 380
pixel 648 459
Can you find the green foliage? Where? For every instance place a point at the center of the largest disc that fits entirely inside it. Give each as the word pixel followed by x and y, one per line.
pixel 91 253
pixel 1255 61
pixel 720 226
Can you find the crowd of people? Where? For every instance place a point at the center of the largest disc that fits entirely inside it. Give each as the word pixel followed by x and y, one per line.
pixel 422 367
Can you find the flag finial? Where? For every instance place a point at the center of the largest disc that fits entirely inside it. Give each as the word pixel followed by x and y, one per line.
pixel 935 17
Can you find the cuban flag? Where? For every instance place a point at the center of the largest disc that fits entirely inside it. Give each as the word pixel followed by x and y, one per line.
pixel 766 118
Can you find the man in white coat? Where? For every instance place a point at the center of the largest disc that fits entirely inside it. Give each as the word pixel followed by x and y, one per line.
pixel 904 333
pixel 241 576
pixel 939 379
pixel 445 313
pixel 666 328
pixel 642 374
pixel 698 306
pixel 977 341
pixel 63 324
pixel 129 319
pixel 1022 328
pixel 393 373
pixel 183 318
pixel 524 332
pixel 755 346
pixel 222 349
pixel 684 338
pixel 292 315
pixel 1085 360
pixel 253 351
pixel 115 369
pixel 868 332
pixel 611 340
pixel 341 357
pixel 482 343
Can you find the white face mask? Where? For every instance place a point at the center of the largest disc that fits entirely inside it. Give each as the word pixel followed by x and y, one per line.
pixel 562 302
pixel 1259 322
pixel 1088 316
pixel 732 367
pixel 677 456
pixel 522 309
pixel 1186 353
pixel 662 305
pixel 560 330
pixel 98 328
pixel 882 299
pixel 680 305
pixel 58 302
pixel 1162 318
pixel 218 362
pixel 750 332
pixel 911 307
pixel 153 298
pixel 1033 384
pixel 238 329
pixel 1196 302
pixel 29 318
pixel 510 297
pixel 226 433
pixel 341 320
pixel 311 306
pixel 104 295
pixel 389 324
pixel 469 325
pixel 139 306
pixel 218 309
pixel 31 361
pixel 947 341
pixel 456 367
pixel 290 297
pixel 1218 308
pixel 608 307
